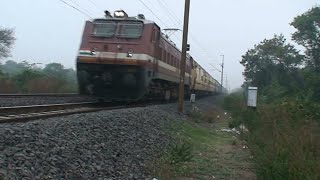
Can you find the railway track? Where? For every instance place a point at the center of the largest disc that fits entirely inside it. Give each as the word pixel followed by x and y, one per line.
pixel 41 95
pixel 26 113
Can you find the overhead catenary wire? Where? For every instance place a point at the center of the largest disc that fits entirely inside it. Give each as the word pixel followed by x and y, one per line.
pixel 175 23
pixel 172 17
pixel 165 24
pixel 170 12
pixel 144 4
pixel 202 51
pixel 96 6
pixel 179 23
pixel 152 12
pixel 83 9
pixel 75 8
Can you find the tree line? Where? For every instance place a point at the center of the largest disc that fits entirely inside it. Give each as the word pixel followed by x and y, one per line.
pixel 284 130
pixel 25 77
pixel 279 69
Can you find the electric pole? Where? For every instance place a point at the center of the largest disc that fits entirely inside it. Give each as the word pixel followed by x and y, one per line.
pixel 222 66
pixel 183 55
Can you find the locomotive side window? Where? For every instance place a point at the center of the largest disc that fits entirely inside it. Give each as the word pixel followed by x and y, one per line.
pixel 130 29
pixel 104 29
pixel 155 36
pixel 163 55
pixel 176 62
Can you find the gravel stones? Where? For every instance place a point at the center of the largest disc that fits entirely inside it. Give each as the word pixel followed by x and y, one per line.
pixel 107 144
pixel 38 100
pixel 102 145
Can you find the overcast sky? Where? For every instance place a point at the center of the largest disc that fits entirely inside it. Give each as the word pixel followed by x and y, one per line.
pixel 50 31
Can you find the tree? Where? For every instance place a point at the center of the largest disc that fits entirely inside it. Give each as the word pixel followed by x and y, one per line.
pixel 271 60
pixel 308 35
pixel 25 76
pixel 55 70
pixel 12 67
pixel 6 41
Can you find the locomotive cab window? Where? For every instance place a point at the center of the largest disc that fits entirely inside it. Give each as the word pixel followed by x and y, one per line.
pixel 130 29
pixel 104 29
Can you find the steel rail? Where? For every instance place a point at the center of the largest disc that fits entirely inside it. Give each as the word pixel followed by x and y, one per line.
pixel 41 95
pixel 27 113
pixel 41 108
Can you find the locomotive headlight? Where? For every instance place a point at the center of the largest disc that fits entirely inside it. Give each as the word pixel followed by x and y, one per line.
pixel 130 53
pixel 119 14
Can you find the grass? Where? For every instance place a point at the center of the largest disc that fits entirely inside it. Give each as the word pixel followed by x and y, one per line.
pixel 215 154
pixel 284 138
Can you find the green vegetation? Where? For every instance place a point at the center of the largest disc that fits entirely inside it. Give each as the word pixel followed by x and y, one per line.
pixel 284 131
pixel 284 137
pixel 28 78
pixel 201 151
pixel 6 42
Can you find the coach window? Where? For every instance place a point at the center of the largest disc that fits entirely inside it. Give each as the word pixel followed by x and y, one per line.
pixel 172 60
pixel 176 62
pixel 155 35
pixel 162 54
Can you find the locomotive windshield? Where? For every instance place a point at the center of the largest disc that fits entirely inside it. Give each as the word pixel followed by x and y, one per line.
pixel 130 29
pixel 105 29
pixel 122 29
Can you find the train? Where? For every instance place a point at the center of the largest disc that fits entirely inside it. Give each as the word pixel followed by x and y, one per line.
pixel 124 58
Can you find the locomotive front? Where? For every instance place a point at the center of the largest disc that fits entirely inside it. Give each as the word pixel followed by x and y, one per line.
pixel 113 60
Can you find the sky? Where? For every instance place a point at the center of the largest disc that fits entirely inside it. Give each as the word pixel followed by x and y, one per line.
pixel 50 31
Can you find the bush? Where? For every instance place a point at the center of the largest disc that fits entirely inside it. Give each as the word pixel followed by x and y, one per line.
pixel 179 153
pixel 26 78
pixel 172 162
pixel 283 137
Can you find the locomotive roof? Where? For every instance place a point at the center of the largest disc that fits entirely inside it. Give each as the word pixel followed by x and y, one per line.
pixel 124 19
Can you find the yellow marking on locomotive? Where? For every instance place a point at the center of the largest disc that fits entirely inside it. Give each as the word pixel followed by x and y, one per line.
pixel 88 59
pixel 131 70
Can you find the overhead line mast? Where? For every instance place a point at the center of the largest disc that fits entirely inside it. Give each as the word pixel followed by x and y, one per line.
pixel 183 56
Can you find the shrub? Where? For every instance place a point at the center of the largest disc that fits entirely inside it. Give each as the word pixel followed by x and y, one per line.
pixel 172 162
pixel 283 137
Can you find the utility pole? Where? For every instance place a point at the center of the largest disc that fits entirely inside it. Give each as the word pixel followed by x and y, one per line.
pixel 222 66
pixel 183 55
pixel 227 84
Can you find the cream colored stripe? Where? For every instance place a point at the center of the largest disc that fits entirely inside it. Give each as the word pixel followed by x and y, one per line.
pixel 141 57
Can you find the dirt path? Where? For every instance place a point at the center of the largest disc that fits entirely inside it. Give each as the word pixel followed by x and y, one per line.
pixel 218 154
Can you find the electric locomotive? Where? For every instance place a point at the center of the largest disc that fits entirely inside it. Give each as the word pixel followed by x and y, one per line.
pixel 129 58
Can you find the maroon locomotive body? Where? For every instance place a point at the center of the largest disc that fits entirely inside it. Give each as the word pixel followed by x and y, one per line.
pixel 128 58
